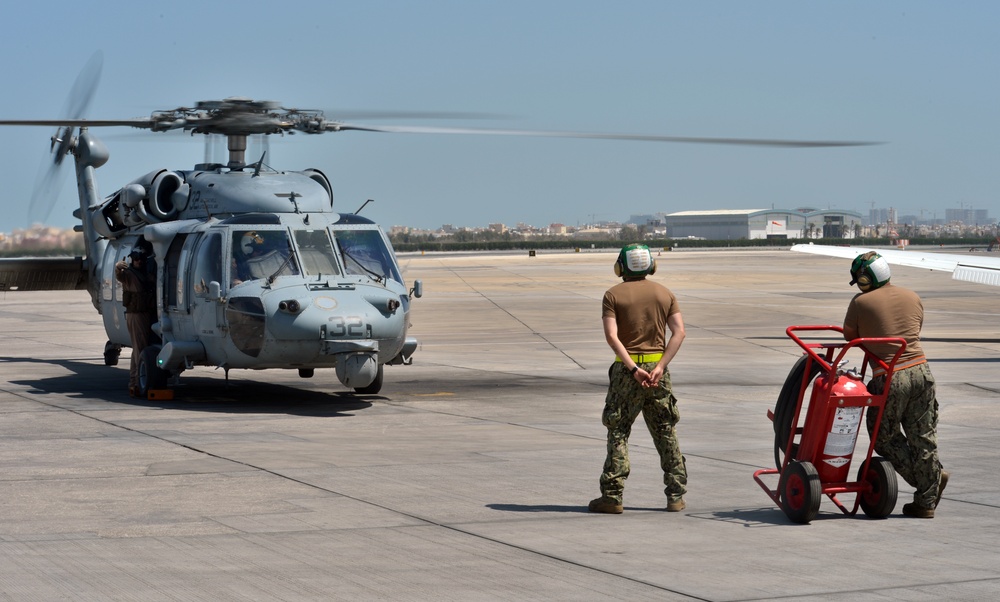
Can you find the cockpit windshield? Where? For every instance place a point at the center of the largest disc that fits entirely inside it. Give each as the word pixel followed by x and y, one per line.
pixel 261 254
pixel 316 253
pixel 365 253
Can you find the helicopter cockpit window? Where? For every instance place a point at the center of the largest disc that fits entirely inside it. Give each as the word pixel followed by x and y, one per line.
pixel 261 254
pixel 315 252
pixel 365 253
pixel 208 263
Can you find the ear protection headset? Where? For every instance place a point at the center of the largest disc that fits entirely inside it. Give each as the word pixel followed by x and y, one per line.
pixel 869 271
pixel 634 261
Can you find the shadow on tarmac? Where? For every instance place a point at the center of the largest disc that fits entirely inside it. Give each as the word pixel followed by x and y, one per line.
pixel 750 517
pixel 196 393
pixel 537 508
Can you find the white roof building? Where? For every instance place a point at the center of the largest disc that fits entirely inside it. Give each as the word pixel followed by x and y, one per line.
pixel 736 224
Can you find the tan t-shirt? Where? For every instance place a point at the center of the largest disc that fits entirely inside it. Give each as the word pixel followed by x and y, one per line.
pixel 641 309
pixel 889 311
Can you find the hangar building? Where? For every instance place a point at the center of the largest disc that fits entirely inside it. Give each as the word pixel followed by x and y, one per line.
pixel 736 224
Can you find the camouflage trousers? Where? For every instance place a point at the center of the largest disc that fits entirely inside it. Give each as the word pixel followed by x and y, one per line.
pixel 625 399
pixel 907 436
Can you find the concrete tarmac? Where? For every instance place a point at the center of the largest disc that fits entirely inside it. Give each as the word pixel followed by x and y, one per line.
pixel 468 476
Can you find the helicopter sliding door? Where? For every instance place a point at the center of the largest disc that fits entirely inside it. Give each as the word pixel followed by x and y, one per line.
pixel 207 314
pixel 193 263
pixel 112 309
pixel 176 289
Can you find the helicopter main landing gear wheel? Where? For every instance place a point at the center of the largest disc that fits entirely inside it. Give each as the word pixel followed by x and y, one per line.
pixel 800 491
pixel 151 376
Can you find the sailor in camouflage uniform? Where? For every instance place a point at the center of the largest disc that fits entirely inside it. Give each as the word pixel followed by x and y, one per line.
pixel 637 314
pixel 884 310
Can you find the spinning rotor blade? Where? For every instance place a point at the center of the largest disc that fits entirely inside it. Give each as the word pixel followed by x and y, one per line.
pixel 139 122
pixel 84 88
pixel 362 114
pixel 49 182
pixel 238 116
pixel 600 136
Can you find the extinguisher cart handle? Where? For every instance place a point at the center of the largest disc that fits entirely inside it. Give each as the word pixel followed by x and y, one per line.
pixel 829 363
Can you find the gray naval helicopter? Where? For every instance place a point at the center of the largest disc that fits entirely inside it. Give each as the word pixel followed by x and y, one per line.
pixel 255 269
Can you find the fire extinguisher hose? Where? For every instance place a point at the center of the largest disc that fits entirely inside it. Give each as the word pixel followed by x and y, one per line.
pixel 784 409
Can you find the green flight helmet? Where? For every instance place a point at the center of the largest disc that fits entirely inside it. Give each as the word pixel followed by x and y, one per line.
pixel 870 271
pixel 634 261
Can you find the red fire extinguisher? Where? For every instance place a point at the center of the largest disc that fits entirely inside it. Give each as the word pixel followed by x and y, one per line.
pixel 832 427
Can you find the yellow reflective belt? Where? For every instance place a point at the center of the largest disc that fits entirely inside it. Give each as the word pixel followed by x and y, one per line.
pixel 643 358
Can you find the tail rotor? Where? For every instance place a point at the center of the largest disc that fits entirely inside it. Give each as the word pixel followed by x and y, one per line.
pixel 50 178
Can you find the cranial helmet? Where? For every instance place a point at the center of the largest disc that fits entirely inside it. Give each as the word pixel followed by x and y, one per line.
pixel 870 271
pixel 634 261
pixel 141 250
pixel 249 241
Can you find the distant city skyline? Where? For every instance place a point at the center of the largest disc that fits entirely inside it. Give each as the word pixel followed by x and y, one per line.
pixel 968 216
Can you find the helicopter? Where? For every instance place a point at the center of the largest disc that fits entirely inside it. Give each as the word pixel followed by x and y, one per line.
pixel 254 267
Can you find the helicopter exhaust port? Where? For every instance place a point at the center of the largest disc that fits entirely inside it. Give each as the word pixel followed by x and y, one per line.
pixel 166 192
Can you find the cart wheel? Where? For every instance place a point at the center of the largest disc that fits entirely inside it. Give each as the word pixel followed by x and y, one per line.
pixel 800 491
pixel 784 408
pixel 881 500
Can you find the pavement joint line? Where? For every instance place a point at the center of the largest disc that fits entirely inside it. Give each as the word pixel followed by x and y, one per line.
pixel 518 320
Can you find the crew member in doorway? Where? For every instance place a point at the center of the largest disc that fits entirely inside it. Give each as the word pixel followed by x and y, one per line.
pixel 139 298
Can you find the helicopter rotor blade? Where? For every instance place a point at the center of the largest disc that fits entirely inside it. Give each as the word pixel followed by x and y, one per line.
pixel 84 88
pixel 403 129
pixel 48 185
pixel 46 191
pixel 360 114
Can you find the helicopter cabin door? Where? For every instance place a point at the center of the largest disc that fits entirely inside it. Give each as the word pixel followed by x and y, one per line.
pixel 206 306
pixel 112 309
pixel 194 262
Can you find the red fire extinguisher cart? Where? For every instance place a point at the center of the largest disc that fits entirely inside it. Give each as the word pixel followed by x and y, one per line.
pixel 814 458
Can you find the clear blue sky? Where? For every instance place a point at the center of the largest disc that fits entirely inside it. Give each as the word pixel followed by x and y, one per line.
pixel 920 76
